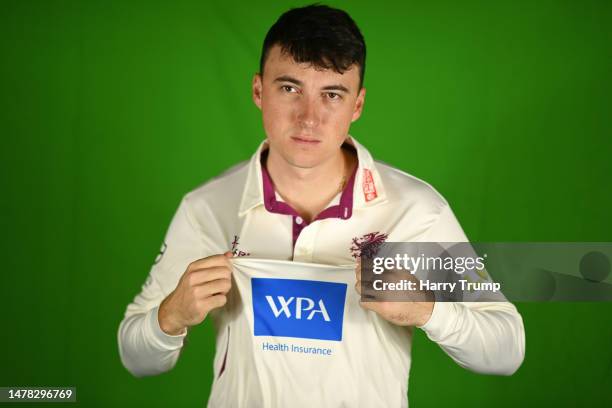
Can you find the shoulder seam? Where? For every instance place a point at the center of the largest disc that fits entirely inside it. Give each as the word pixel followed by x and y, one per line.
pixel 395 169
pixel 226 173
pixel 438 217
pixel 190 219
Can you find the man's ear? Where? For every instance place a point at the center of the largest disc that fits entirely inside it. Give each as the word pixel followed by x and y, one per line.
pixel 359 104
pixel 257 89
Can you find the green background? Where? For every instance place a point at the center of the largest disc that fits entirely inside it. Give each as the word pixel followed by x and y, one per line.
pixel 112 110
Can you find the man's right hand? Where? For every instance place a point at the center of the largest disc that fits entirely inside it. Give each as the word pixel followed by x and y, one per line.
pixel 202 288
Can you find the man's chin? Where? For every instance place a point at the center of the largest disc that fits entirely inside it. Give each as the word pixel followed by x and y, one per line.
pixel 303 159
pixel 304 164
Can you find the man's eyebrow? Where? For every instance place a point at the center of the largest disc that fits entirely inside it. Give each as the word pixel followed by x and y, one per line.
pixel 287 78
pixel 335 87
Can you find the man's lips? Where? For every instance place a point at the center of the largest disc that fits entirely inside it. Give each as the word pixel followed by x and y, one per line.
pixel 305 140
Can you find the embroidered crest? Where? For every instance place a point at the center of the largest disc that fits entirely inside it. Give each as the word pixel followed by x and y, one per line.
pixel 369 188
pixel 367 245
pixel 235 250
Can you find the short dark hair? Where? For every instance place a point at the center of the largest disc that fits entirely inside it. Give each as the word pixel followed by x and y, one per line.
pixel 324 36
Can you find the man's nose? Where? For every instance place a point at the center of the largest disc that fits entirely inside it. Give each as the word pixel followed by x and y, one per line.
pixel 309 113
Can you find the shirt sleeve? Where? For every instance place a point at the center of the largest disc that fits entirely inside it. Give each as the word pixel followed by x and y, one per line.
pixel 143 347
pixel 484 337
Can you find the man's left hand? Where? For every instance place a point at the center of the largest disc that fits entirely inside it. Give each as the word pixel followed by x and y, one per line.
pixel 399 313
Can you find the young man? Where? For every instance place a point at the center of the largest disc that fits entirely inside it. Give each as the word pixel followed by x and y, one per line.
pixel 310 193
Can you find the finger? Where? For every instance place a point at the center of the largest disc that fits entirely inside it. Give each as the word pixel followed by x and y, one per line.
pixel 219 286
pixel 358 269
pixel 367 305
pixel 200 276
pixel 213 302
pixel 372 305
pixel 366 289
pixel 209 262
pixel 228 254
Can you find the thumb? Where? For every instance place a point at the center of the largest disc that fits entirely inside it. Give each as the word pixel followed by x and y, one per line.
pixel 228 254
pixel 358 269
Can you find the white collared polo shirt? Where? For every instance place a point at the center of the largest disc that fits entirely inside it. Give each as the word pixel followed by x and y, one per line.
pixel 241 212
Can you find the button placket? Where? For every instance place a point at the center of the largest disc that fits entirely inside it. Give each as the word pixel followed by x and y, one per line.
pixel 304 245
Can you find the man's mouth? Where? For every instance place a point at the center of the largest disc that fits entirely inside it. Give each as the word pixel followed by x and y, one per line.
pixel 305 140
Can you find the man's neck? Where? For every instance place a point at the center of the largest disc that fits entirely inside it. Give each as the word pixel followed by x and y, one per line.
pixel 310 190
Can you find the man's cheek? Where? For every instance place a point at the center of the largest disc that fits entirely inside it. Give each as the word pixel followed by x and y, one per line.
pixel 278 113
pixel 272 121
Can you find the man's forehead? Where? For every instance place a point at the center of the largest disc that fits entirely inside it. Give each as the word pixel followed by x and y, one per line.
pixel 279 63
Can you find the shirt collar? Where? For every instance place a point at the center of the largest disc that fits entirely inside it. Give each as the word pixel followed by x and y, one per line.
pixel 367 189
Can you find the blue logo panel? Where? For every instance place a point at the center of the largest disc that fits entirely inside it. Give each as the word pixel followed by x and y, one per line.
pixel 298 308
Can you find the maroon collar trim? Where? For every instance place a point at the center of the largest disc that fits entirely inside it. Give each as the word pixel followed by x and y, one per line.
pixel 343 210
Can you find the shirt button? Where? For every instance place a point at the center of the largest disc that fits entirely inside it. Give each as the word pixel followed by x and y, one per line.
pixel 299 220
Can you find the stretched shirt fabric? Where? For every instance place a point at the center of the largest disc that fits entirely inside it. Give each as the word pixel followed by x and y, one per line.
pixel 238 211
pixel 296 336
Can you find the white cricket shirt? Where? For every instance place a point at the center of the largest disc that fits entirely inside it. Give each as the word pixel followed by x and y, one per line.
pixel 239 211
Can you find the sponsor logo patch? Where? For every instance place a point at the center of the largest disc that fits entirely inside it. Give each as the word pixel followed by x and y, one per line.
pixel 298 308
pixel 369 188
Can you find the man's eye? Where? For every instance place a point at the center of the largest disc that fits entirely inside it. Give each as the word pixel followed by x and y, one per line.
pixel 333 95
pixel 288 88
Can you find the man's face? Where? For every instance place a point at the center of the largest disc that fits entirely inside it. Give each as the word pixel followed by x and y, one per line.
pixel 306 111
